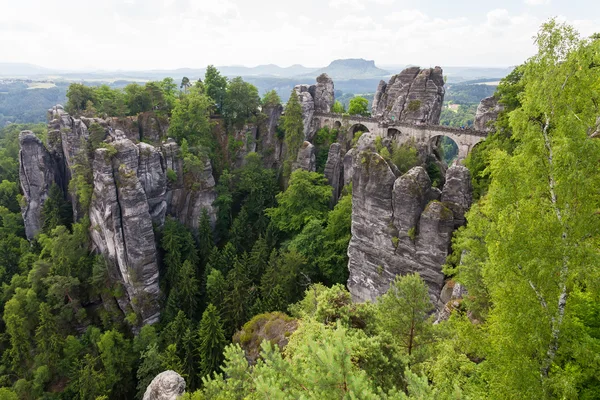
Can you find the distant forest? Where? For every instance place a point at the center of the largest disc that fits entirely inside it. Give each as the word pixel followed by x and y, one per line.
pixel 20 103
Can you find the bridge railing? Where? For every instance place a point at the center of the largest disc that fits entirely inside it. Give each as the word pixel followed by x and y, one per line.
pixel 385 124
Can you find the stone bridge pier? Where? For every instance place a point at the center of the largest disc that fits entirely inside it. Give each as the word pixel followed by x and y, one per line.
pixel 426 135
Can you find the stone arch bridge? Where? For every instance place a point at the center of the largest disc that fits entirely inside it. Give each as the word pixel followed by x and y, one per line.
pixel 466 139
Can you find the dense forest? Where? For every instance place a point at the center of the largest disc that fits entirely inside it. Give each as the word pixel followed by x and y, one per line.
pixel 275 265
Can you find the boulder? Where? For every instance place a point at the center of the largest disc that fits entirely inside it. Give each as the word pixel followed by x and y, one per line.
pixel 487 114
pixel 415 96
pixel 167 385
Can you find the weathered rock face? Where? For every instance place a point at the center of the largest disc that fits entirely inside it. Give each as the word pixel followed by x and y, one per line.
pixel 37 173
pixel 399 226
pixel 334 171
pixel 187 198
pixel 269 145
pixel 323 94
pixel 308 108
pixel 306 159
pixel 168 385
pixel 135 185
pixel 487 113
pixel 415 95
pixel 315 98
pixel 121 223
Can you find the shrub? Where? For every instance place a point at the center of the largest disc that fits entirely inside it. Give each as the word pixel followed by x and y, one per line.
pixel 171 175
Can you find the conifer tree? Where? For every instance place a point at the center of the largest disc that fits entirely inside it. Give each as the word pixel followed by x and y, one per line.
pixel 211 341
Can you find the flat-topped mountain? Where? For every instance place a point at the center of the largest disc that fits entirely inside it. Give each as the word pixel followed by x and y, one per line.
pixel 352 68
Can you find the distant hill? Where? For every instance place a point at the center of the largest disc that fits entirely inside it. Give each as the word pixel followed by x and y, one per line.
pixel 22 69
pixel 351 68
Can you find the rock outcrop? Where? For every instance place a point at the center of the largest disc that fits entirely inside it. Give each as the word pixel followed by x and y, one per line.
pixel 135 186
pixel 306 159
pixel 122 223
pixel 308 108
pixel 269 144
pixel 323 93
pixel 168 385
pixel 399 224
pixel 415 96
pixel 487 113
pixel 334 171
pixel 188 197
pixel 315 98
pixel 37 173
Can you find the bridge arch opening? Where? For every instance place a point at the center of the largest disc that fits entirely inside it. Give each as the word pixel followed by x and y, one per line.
pixel 354 129
pixel 337 124
pixel 444 147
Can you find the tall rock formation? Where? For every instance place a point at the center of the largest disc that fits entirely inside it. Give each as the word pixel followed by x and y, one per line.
pixel 415 96
pixel 334 171
pixel 487 113
pixel 189 194
pixel 135 186
pixel 37 172
pixel 121 223
pixel 315 98
pixel 399 224
pixel 268 143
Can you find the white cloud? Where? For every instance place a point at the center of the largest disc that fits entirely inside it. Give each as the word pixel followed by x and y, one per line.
pixel 115 34
pixel 351 5
pixel 537 2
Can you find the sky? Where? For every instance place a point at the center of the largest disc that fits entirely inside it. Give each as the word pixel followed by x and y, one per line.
pixel 169 34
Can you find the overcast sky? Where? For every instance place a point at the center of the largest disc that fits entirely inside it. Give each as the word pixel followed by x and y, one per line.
pixel 157 34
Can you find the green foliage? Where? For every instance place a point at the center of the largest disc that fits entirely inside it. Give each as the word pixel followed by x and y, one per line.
pixel 338 108
pixel 190 120
pixel 461 118
pixel 171 175
pixel 530 248
pixel 241 102
pixel 270 99
pixel 405 156
pixel 356 137
pixel 211 341
pixel 414 105
pixel 215 86
pixel 79 96
pixel 56 210
pixel 306 198
pixel 359 106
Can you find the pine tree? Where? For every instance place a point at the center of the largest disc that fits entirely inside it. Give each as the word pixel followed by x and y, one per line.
pixel 211 341
pixel 403 311
pixel 205 239
pixel 170 360
pixel 188 289
pixel 150 366
pixel 239 296
pixel 215 287
pixel 56 210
